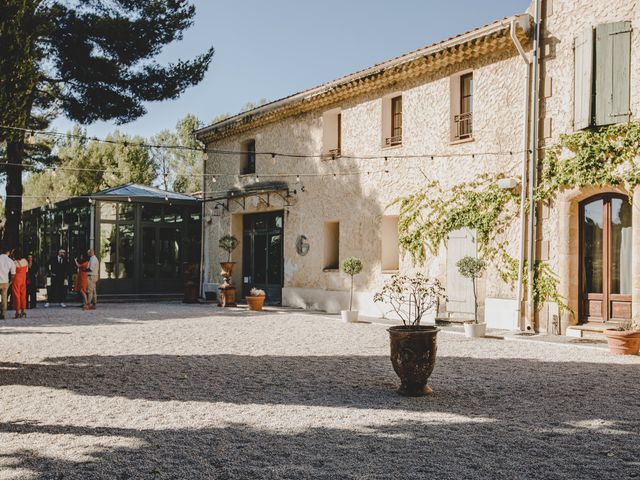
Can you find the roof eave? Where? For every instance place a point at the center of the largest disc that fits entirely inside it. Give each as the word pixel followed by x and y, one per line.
pixel 328 90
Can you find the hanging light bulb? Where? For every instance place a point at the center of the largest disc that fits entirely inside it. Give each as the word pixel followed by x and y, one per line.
pixel 257 178
pixel 298 178
pixel 129 199
pixel 166 198
pixel 213 179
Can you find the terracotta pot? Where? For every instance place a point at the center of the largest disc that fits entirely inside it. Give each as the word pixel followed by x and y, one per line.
pixel 255 303
pixel 413 355
pixel 226 269
pixel 623 342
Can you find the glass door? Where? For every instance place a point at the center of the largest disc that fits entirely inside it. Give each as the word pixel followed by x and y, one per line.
pixel 606 259
pixel 161 266
pixel 262 255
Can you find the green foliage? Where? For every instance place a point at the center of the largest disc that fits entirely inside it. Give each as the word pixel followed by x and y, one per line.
pixel 608 156
pixel 228 243
pixel 545 287
pixel 352 266
pixel 471 267
pixel 428 217
pixel 89 61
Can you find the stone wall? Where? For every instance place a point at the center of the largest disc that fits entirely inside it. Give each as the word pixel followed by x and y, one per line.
pixel 558 223
pixel 364 189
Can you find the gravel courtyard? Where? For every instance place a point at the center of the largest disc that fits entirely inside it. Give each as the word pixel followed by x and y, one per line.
pixel 194 392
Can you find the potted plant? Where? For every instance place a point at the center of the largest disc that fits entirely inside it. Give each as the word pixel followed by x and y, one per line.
pixel 473 268
pixel 255 299
pixel 351 266
pixel 624 339
pixel 413 346
pixel 228 243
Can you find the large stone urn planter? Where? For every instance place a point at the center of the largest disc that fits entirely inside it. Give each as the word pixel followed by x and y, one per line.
pixel 413 355
pixel 623 342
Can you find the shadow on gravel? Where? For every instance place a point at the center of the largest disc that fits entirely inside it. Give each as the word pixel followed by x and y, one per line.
pixel 404 450
pixel 121 314
pixel 495 388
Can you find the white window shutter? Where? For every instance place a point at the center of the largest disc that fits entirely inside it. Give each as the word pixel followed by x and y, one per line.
pixel 583 80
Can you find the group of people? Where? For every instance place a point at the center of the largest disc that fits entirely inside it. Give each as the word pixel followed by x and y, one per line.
pixel 19 276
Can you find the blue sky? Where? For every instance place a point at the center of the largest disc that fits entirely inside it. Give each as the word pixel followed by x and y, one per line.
pixel 271 49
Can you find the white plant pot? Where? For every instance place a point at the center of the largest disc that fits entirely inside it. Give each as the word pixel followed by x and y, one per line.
pixel 349 316
pixel 475 330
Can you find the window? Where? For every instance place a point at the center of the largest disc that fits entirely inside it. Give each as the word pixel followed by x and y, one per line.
pixel 390 256
pixel 248 162
pixel 332 133
pixel 462 106
pixel 602 75
pixel 331 245
pixel 392 120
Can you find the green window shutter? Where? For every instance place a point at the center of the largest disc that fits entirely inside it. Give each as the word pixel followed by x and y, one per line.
pixel 613 72
pixel 583 80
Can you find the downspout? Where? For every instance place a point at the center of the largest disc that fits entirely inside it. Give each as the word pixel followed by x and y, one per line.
pixel 529 323
pixel 203 222
pixel 523 174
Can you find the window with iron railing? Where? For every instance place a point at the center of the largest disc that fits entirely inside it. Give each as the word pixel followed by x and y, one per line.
pixel 396 122
pixel 464 119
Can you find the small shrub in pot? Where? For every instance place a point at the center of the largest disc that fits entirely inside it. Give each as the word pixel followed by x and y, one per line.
pixel 351 266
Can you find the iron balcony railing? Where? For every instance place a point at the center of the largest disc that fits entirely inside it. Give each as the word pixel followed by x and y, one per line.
pixel 392 141
pixel 464 125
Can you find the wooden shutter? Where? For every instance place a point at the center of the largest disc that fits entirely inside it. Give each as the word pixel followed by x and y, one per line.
pixel 460 243
pixel 583 80
pixel 613 72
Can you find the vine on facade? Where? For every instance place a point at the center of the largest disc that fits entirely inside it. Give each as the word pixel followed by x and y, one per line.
pixel 608 156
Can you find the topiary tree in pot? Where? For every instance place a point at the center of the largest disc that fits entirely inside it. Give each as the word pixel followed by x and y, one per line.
pixel 351 266
pixel 473 268
pixel 227 291
pixel 413 346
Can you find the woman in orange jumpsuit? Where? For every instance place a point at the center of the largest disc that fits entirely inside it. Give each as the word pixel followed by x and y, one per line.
pixel 81 280
pixel 19 285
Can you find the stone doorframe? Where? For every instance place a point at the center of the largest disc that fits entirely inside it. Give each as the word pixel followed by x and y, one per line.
pixel 568 207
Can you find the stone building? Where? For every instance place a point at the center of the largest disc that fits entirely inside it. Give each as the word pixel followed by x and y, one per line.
pixel 309 180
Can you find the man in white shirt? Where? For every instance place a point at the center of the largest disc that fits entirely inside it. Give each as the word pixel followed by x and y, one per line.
pixel 92 279
pixel 7 268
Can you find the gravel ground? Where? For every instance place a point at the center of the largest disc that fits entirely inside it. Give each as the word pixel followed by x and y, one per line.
pixel 190 392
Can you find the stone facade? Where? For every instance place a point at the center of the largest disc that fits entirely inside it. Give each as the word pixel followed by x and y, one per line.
pixel 558 223
pixel 363 188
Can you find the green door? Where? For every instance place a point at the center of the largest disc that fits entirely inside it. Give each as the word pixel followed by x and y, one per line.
pixel 262 255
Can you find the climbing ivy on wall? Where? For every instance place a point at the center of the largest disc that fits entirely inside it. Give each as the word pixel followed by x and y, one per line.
pixel 608 156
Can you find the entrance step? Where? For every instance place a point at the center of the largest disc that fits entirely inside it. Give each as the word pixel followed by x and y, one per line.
pixel 588 330
pixel 139 298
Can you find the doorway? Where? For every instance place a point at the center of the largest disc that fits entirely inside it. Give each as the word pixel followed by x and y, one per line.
pixel 605 252
pixel 262 255
pixel 460 300
pixel 161 259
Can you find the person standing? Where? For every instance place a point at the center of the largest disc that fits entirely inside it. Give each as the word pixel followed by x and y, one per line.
pixel 32 282
pixel 19 285
pixel 92 279
pixel 7 268
pixel 81 280
pixel 58 269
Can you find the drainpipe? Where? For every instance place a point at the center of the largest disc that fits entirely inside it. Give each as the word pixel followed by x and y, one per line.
pixel 529 323
pixel 523 174
pixel 203 222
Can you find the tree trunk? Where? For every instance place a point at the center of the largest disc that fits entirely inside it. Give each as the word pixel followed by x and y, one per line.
pixel 13 204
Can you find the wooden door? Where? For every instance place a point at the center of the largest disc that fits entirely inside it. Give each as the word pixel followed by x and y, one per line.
pixel 460 243
pixel 605 245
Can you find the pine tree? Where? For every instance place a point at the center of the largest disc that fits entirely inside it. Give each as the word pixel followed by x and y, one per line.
pixel 88 60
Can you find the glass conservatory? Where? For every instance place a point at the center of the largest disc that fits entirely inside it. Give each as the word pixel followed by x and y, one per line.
pixel 144 237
